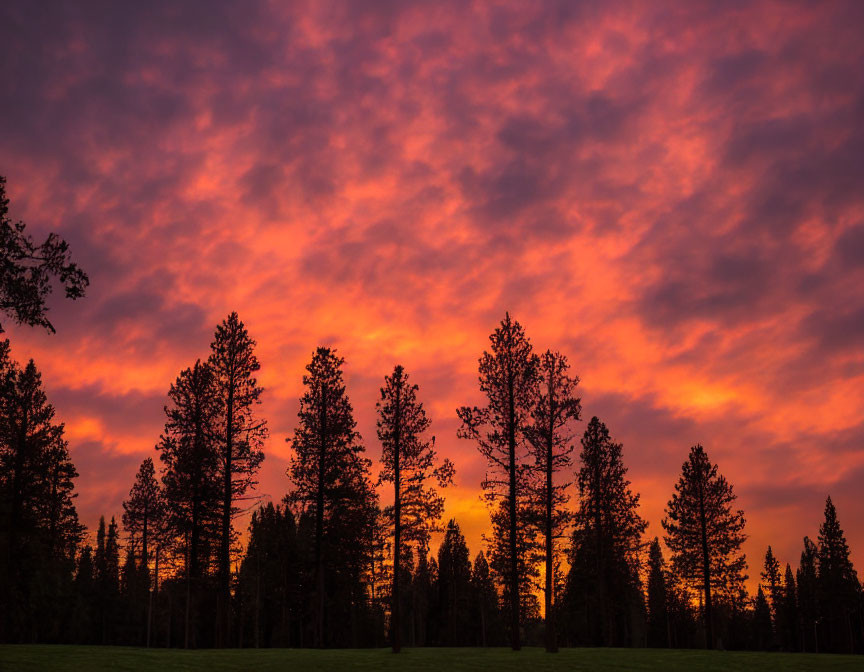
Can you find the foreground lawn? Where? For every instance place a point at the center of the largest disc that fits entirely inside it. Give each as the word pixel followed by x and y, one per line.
pixel 97 658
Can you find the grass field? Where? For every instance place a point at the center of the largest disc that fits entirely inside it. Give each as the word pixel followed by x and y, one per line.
pixel 97 658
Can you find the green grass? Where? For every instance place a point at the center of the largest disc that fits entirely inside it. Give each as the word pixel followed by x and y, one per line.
pixel 22 658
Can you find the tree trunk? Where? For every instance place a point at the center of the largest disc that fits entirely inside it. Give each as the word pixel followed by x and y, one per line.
pixel 224 598
pixel 515 643
pixel 551 638
pixel 319 522
pixel 395 613
pixel 706 572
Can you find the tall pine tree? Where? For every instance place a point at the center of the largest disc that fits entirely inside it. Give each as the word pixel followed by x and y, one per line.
pixel 189 450
pixel 607 539
pixel 331 481
pixel 408 461
pixel 508 378
pixel 240 433
pixel 555 409
pixel 705 533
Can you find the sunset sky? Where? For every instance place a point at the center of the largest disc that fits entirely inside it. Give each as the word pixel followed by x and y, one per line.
pixel 672 194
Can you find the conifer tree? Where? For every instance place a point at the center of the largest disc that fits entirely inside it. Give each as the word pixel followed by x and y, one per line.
pixel 485 613
pixel 555 409
pixel 607 540
pixel 191 482
pixel 837 584
pixel 772 581
pixel 808 596
pixel 453 589
pixel 705 534
pixel 658 608
pixel 39 528
pixel 330 475
pixel 508 378
pixel 240 435
pixel 787 612
pixel 143 511
pixel 762 629
pixel 408 461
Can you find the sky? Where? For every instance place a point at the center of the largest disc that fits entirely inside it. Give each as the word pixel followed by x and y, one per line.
pixel 671 194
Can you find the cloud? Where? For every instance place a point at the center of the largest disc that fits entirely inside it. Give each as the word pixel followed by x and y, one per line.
pixel 669 193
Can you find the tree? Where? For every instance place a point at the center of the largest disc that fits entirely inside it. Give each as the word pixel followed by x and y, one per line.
pixel 658 608
pixel 144 522
pixel 808 596
pixel 607 540
pixel 144 510
pixel 485 612
pixel 705 534
pixel 241 435
pixel 837 585
pixel 107 578
pixel 772 581
pixel 550 437
pixel 408 462
pixel 27 270
pixel 330 477
pixel 453 589
pixel 508 378
pixel 762 629
pixel 191 480
pixel 39 528
pixel 787 612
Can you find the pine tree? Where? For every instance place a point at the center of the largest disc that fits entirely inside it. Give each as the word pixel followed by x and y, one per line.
pixel 39 523
pixel 191 482
pixel 772 581
pixel 762 629
pixel 241 435
pixel 808 597
pixel 508 378
pixel 408 462
pixel 143 511
pixel 787 613
pixel 28 270
pixel 551 441
pixel 658 607
pixel 107 579
pixel 607 540
pixel 705 534
pixel 453 589
pixel 837 585
pixel 331 478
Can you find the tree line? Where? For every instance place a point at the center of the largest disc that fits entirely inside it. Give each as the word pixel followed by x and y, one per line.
pixel 331 565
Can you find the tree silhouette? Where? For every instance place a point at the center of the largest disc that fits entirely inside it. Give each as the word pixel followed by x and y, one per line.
pixel 787 612
pixel 658 607
pixel 453 589
pixel 39 528
pixel 607 539
pixel 408 462
pixel 508 378
pixel 837 584
pixel 762 629
pixel 772 581
pixel 808 596
pixel 27 270
pixel 241 435
pixel 328 470
pixel 144 521
pixel 191 479
pixel 704 533
pixel 485 610
pixel 554 410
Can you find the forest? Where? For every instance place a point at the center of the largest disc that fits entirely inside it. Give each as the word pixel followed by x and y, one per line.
pixel 565 563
